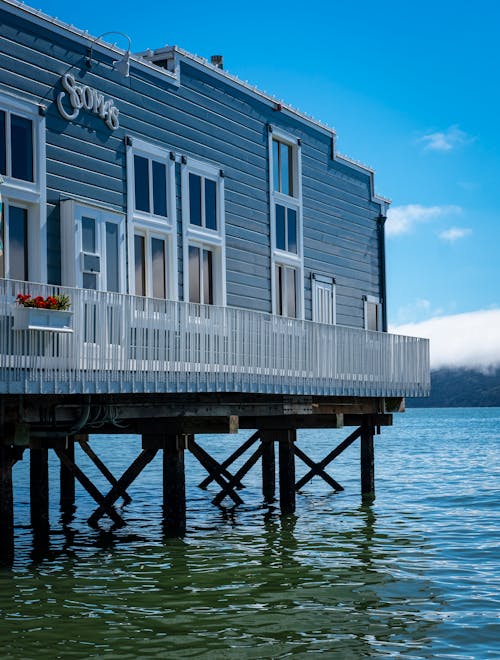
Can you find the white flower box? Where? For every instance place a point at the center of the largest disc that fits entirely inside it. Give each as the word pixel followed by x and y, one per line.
pixel 35 318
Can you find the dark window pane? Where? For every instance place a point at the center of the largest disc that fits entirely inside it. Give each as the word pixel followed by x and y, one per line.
pixel 292 230
pixel 89 281
pixel 160 189
pixel 3 143
pixel 158 267
pixel 141 174
pixel 18 243
pixel 140 265
pixel 195 199
pixel 291 292
pixel 284 169
pixel 88 235
pixel 210 204
pixel 280 227
pixel 208 291
pixel 276 166
pixel 21 136
pixel 279 291
pixel 112 267
pixel 289 169
pixel 194 274
pixel 2 239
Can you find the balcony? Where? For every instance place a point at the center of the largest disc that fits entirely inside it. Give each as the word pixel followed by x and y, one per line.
pixel 120 343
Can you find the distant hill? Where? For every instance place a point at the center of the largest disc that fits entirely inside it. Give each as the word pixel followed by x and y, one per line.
pixel 460 387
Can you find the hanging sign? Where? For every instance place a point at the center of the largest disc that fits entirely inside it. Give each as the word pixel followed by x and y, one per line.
pixel 84 97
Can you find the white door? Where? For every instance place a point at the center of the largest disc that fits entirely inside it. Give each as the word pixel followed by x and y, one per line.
pixel 323 298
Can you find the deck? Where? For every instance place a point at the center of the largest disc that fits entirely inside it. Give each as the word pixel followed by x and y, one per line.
pixel 126 344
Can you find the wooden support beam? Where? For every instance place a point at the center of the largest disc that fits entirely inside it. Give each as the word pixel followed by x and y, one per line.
pixel 317 469
pixel 228 488
pixel 212 467
pixel 234 456
pixel 39 490
pixel 133 471
pixel 174 486
pixel 367 459
pixel 286 440
pixel 6 505
pixel 89 487
pixel 84 444
pixel 67 478
pixel 329 458
pixel 268 464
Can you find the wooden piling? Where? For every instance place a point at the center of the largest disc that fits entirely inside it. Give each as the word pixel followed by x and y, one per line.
pixel 268 465
pixel 174 485
pixel 286 438
pixel 6 505
pixel 67 478
pixel 39 490
pixel 367 456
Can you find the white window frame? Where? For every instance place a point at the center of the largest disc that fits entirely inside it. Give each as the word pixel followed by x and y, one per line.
pixel 148 235
pixel 202 237
pixel 149 224
pixel 31 195
pixel 376 301
pixel 72 212
pixel 283 257
pixel 318 279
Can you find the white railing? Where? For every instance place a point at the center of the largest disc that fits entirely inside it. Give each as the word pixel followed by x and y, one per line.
pixel 123 343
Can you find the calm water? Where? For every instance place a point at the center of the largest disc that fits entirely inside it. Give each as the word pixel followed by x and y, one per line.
pixel 415 575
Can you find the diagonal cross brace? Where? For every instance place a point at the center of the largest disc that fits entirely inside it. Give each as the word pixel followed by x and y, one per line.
pixel 319 467
pixel 133 471
pixel 238 476
pixel 102 468
pixel 208 463
pixel 90 488
pixel 235 455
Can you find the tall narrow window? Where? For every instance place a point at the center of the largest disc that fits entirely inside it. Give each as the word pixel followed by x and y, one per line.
pixel 286 224
pixel 140 265
pixel 159 267
pixel 18 243
pixel 286 291
pixel 23 246
pixel 203 233
pixel 153 270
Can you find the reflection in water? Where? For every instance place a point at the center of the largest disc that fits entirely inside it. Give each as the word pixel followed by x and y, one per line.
pixel 342 578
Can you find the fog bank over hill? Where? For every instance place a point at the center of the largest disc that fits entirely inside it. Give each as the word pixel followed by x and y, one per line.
pixel 460 341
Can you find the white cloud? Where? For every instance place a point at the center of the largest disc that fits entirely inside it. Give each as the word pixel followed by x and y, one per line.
pixel 446 140
pixel 454 234
pixel 403 219
pixel 470 340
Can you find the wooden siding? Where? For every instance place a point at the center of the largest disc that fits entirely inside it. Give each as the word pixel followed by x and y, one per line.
pixel 207 119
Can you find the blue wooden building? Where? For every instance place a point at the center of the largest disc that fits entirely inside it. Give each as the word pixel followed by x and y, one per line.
pixel 210 239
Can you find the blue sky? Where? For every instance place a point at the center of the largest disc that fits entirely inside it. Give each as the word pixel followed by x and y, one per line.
pixel 412 89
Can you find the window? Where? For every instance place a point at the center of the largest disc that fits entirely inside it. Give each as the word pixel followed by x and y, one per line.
pixel 202 201
pixel 16 146
pixel 150 186
pixel 373 313
pixel 286 224
pixel 286 291
pixel 150 254
pixel 22 167
pixel 203 233
pixel 152 218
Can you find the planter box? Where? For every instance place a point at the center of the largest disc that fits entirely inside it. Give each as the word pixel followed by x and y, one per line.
pixel 34 318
